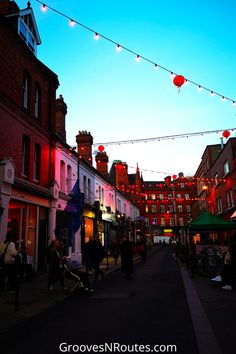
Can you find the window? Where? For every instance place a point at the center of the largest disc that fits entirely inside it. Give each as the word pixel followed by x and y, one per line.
pixel 170 208
pixel 226 168
pixel 37 162
pixel 62 176
pixel 154 208
pixel 181 185
pixel 146 196
pixel 186 196
pixel 146 222
pixel 25 156
pixel 179 208
pixel 162 208
pixel 26 34
pixel 181 221
pixel 37 101
pixel 169 196
pixel 163 221
pixel 26 90
pixel 161 196
pixel 154 221
pixel 69 179
pixel 89 191
pixel 216 178
pixel 229 198
pixel 178 196
pixel 153 196
pixel 146 208
pixel 219 205
pixel 188 208
pixel 171 221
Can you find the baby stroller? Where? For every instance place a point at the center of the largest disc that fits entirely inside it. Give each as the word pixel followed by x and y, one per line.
pixel 80 278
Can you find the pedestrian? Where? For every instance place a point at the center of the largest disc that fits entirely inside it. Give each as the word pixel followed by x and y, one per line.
pixel 228 272
pixel 115 251
pixel 143 250
pixel 8 254
pixel 56 269
pixel 26 269
pixel 97 253
pixel 88 250
pixel 126 257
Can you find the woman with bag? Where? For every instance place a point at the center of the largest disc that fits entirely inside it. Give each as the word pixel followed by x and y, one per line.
pixel 8 267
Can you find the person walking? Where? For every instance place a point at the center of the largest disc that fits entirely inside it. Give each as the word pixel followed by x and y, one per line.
pixel 143 250
pixel 97 253
pixel 126 257
pixel 115 251
pixel 8 254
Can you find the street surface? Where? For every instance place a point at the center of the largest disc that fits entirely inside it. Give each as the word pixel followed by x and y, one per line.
pixel 150 309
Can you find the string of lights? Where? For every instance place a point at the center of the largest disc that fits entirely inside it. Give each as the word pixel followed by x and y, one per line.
pixel 166 137
pixel 138 56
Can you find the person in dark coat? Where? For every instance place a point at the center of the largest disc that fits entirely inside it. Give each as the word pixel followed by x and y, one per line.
pixel 143 250
pixel 97 254
pixel 126 257
pixel 55 269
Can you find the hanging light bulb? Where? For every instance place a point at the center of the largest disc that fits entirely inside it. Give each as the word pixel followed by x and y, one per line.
pixel 118 48
pixel 199 88
pixel 155 67
pixel 96 36
pixel 212 93
pixel 172 75
pixel 223 98
pixel 72 23
pixel 137 58
pixel 186 82
pixel 44 8
pixel 234 103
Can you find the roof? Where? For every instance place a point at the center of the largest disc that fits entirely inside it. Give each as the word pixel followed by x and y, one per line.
pixel 210 222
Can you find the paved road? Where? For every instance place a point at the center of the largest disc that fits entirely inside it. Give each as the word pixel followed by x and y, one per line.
pixel 150 309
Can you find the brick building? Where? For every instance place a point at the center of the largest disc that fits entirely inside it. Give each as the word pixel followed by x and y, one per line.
pixel 216 181
pixel 27 118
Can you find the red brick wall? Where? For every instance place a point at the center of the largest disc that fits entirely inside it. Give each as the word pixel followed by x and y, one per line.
pixel 15 121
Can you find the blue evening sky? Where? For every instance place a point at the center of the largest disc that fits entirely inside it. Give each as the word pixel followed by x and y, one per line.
pixel 116 98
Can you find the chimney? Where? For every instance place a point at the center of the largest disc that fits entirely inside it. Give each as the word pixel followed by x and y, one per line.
pixel 102 162
pixel 84 142
pixel 61 111
pixel 167 180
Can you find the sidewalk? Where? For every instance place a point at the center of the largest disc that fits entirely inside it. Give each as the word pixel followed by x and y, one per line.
pixel 34 297
pixel 220 308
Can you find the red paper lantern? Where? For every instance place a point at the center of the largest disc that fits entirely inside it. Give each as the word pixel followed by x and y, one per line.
pixel 226 134
pixel 174 176
pixel 178 80
pixel 119 166
pixel 101 148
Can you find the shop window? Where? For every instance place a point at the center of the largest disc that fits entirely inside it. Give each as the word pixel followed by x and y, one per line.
pixel 25 156
pixel 179 208
pixel 37 162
